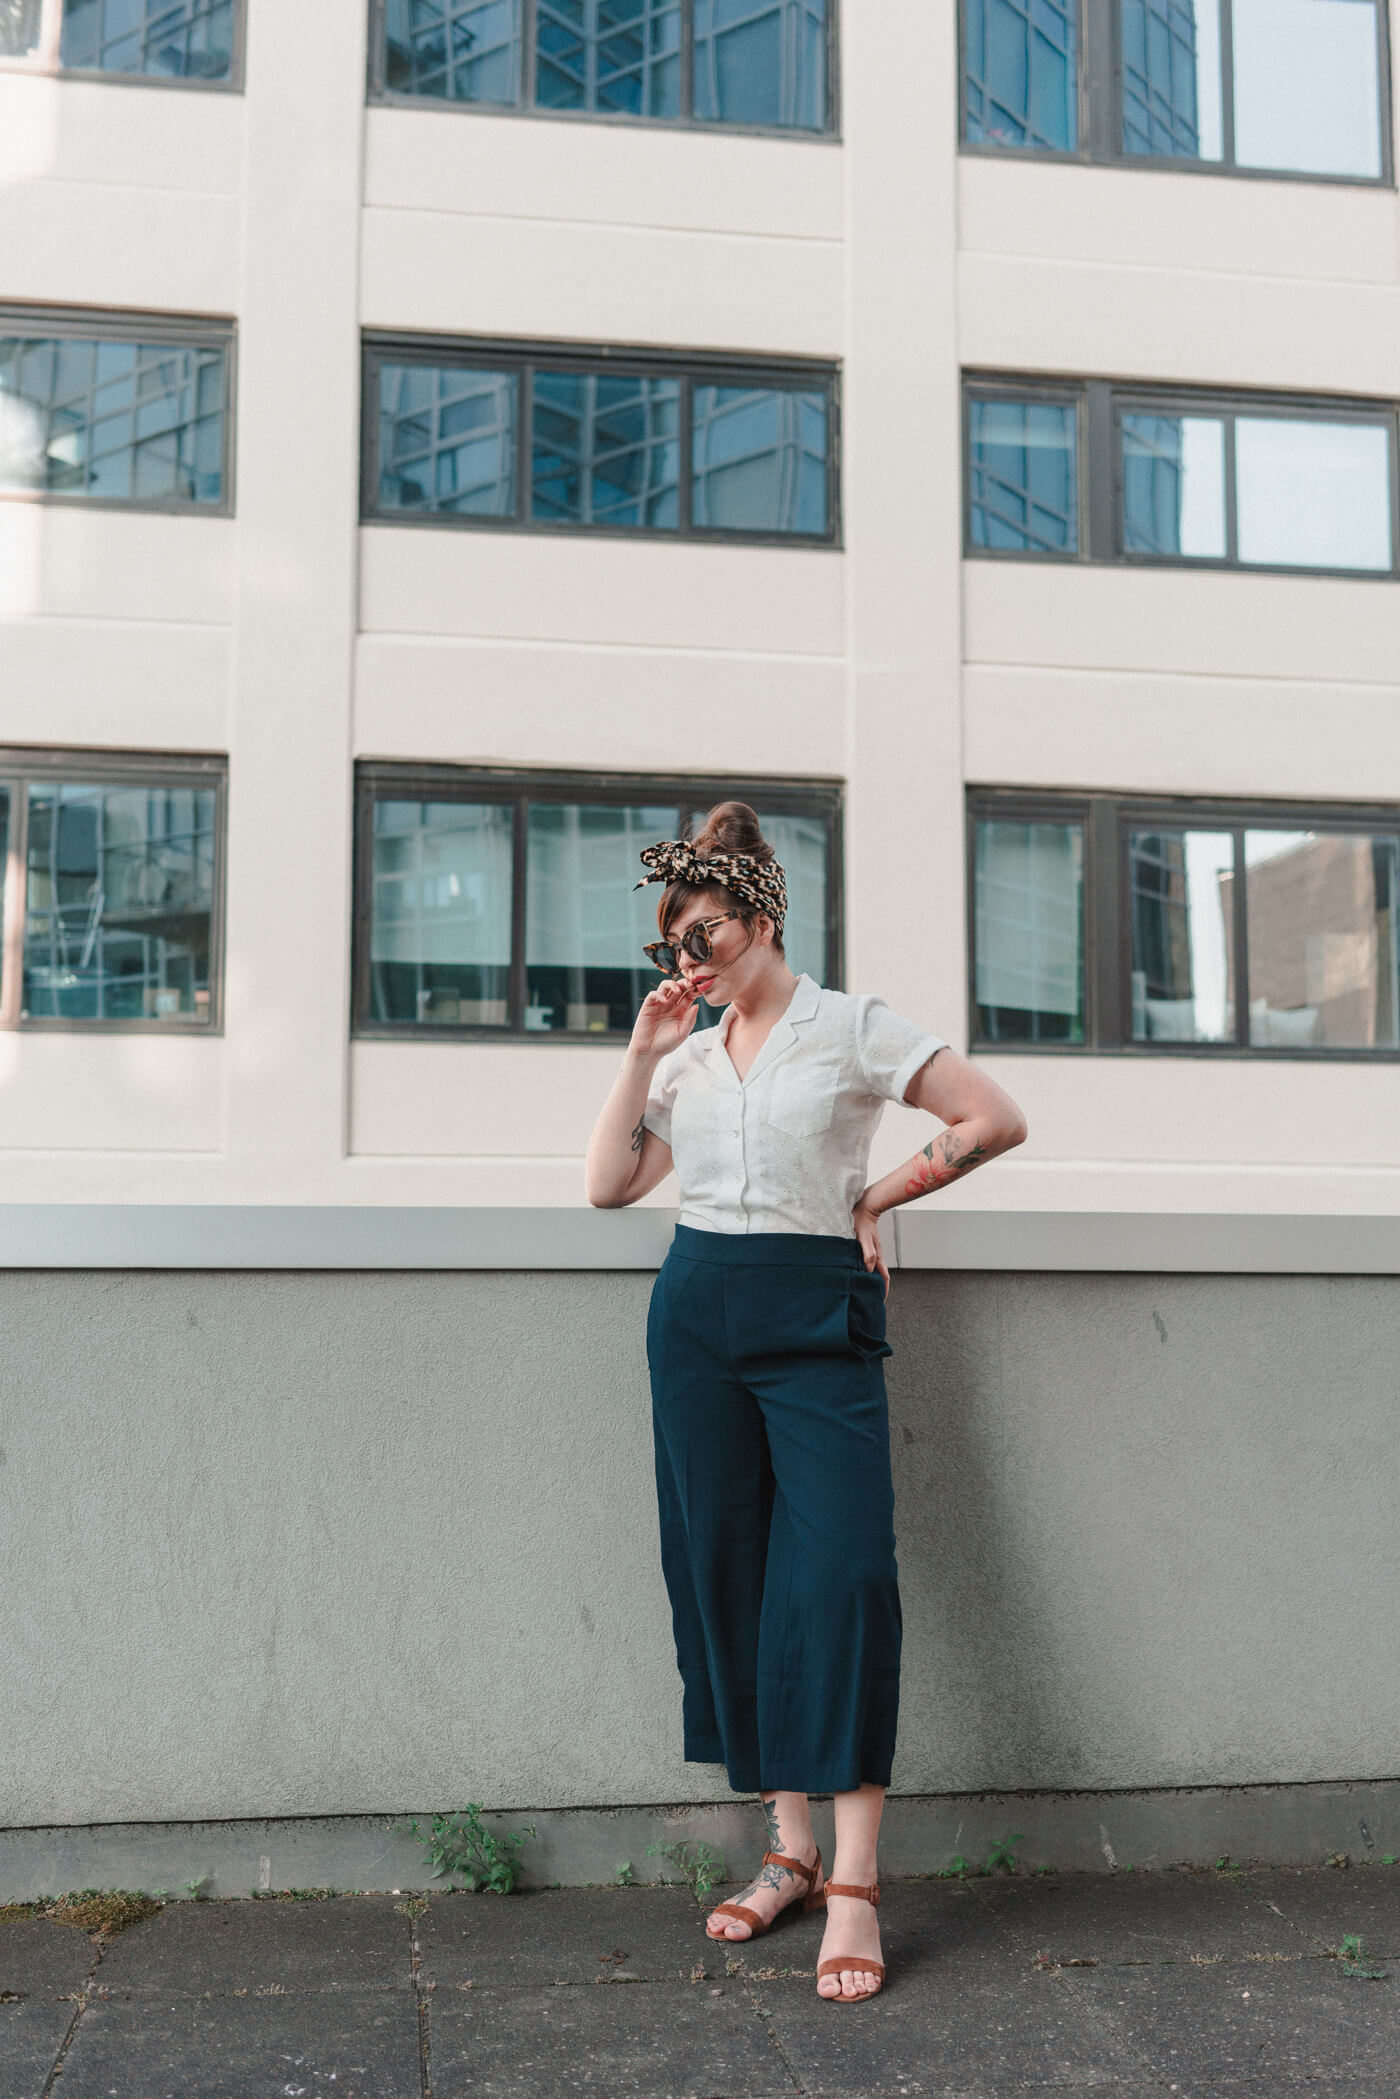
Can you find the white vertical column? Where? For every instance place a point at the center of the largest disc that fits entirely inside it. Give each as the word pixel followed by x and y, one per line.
pixel 296 493
pixel 902 505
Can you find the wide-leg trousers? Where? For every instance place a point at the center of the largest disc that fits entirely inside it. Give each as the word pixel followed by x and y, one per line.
pixel 777 1509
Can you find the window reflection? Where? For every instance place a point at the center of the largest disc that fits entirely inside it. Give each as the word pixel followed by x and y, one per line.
pixel 447 439
pixel 176 39
pixel 137 422
pixel 1323 948
pixel 759 459
pixel 1024 476
pixel 799 844
pixel 605 450
pixel 19 27
pixel 1171 78
pixel 585 922
pixel 1307 86
pixel 458 50
pixel 1029 931
pixel 118 902
pixel 1183 987
pixel 609 55
pixel 441 913
pixel 761 62
pixel 1021 73
pixel 1174 485
pixel 1313 494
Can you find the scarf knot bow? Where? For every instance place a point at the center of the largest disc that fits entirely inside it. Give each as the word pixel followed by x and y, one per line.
pixel 754 881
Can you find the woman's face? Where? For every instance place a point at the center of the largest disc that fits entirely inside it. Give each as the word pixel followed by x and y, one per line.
pixel 741 950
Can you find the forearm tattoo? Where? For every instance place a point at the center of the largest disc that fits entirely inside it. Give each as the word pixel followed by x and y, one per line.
pixel 639 1135
pixel 942 1161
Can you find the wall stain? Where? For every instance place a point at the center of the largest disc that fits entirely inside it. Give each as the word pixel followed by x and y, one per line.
pixel 1157 1322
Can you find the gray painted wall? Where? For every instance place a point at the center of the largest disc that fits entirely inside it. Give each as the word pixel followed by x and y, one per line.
pixel 339 1543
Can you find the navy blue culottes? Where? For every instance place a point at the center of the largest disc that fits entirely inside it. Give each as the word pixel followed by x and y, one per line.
pixel 777 1509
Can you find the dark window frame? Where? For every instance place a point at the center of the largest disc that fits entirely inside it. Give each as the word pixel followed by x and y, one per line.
pixel 44 59
pixel 383 780
pixel 1101 107
pixel 93 324
pixel 22 767
pixel 381 95
pixel 1108 820
pixel 1101 523
pixel 689 367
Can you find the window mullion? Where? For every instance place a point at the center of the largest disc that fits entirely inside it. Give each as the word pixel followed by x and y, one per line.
pixel 1241 933
pixel 12 934
pixel 527 54
pixel 1101 75
pixel 1227 83
pixel 1232 545
pixel 1105 951
pixel 687 87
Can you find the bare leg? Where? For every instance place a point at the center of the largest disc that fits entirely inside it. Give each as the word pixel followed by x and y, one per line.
pixel 852 1925
pixel 789 1831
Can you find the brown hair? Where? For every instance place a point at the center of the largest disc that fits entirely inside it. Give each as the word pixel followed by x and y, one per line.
pixel 730 827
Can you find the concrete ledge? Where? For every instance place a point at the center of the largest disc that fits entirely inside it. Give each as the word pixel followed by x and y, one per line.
pixel 579 1847
pixel 270 1237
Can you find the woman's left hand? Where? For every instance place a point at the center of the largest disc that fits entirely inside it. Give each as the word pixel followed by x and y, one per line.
pixel 867 1224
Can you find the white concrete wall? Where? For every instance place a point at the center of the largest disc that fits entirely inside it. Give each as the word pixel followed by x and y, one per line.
pixel 295 641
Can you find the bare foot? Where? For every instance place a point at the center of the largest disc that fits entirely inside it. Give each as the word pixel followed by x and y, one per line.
pixel 774 1889
pixel 852 1927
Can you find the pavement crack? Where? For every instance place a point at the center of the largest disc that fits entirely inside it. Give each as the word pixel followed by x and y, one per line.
pixel 80 2005
pixel 760 2012
pixel 421 1995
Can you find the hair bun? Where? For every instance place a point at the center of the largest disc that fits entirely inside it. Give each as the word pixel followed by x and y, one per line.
pixel 732 827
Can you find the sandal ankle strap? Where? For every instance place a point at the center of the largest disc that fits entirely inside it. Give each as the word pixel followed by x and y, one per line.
pixel 845 1887
pixel 794 1865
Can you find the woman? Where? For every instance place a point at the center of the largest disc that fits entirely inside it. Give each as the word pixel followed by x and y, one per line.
pixel 765 1337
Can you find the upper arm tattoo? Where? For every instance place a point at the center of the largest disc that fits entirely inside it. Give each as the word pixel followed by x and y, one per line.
pixel 942 1161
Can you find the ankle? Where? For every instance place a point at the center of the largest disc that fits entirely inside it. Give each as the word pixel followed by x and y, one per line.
pixel 864 1874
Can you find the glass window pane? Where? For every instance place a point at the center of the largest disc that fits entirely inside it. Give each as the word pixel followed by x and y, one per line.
pixel 1180 886
pixel 1021 77
pixel 4 862
pixel 585 922
pixel 19 27
pixel 457 50
pixel 605 450
pixel 1307 86
pixel 78 417
pixel 447 439
pixel 1313 495
pixel 119 902
pixel 1174 485
pixel 1023 474
pixel 1029 931
pixel 176 39
pixel 1323 949
pixel 761 62
pixel 622 55
pixel 759 459
pixel 1171 78
pixel 440 913
pixel 799 843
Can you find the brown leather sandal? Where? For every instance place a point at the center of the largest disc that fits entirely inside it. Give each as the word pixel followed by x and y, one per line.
pixel 756 1925
pixel 848 1961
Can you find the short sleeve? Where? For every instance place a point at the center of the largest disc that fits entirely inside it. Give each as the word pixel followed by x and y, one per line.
pixel 890 1049
pixel 661 1096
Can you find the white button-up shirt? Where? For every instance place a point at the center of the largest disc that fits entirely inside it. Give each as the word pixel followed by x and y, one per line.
pixel 785 1149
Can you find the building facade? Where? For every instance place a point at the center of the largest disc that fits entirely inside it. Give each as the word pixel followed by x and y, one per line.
pixel 444 445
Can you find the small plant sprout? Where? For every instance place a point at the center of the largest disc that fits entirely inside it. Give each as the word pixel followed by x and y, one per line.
pixel 1357 1965
pixel 1001 1858
pixel 959 1869
pixel 624 1876
pixel 461 1847
pixel 698 1864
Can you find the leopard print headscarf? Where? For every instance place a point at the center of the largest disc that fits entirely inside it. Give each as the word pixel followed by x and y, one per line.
pixel 761 883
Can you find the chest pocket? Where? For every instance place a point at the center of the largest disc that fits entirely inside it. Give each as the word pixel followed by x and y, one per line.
pixel 802 1095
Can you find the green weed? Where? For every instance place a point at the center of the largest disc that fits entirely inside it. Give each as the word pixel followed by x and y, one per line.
pixel 460 1846
pixel 1356 1963
pixel 698 1864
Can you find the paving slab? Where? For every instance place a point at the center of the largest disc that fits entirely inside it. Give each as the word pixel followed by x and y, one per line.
pixel 43 1966
pixel 203 1948
pixel 571 1935
pixel 643 2041
pixel 1217 2025
pixel 1128 1917
pixel 306 2045
pixel 1326 1903
pixel 968 2023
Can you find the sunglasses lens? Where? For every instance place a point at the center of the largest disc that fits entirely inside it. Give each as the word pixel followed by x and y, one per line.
pixel 697 944
pixel 664 956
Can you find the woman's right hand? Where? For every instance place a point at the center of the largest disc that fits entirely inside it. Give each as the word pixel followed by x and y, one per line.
pixel 666 1018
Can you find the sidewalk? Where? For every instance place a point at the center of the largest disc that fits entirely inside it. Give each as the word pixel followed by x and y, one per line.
pixel 1202 1984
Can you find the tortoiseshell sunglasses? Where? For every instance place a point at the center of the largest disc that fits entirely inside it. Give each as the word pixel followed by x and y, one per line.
pixel 694 941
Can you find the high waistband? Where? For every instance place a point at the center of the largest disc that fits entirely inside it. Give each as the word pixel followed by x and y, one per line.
pixel 767 1249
